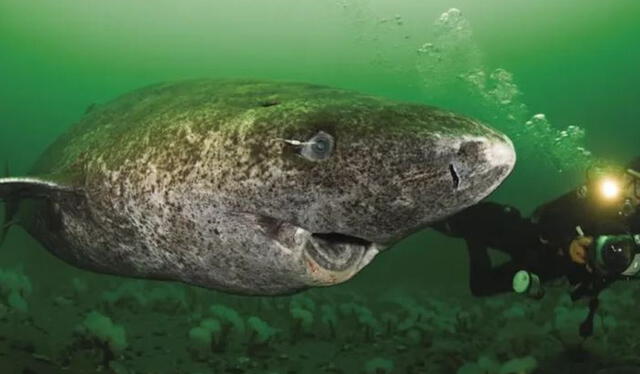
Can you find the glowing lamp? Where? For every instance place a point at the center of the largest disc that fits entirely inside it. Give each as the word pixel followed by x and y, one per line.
pixel 610 189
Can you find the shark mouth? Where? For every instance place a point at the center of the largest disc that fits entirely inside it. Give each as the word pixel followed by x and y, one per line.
pixel 332 257
pixel 337 252
pixel 334 237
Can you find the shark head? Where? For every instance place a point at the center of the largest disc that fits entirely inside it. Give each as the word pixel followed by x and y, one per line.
pixel 333 178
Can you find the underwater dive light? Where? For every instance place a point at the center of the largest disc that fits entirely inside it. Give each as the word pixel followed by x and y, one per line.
pixel 609 188
pixel 614 188
pixel 527 283
pixel 605 181
pixel 612 183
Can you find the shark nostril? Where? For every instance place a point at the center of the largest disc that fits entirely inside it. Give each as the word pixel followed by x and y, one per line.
pixel 470 148
pixel 454 176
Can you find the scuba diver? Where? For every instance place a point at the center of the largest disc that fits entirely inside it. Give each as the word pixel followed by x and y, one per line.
pixel 590 236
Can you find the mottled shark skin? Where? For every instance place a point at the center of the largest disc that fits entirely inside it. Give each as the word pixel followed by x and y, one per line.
pixel 202 182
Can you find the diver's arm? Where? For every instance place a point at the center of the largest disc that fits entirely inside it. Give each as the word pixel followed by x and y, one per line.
pixel 498 226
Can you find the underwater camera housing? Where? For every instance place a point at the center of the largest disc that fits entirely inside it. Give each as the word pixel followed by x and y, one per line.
pixel 612 257
pixel 616 255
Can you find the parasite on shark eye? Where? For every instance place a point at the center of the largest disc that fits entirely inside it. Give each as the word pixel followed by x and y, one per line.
pixel 318 148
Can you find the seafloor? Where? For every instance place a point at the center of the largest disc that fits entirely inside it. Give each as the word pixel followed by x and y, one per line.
pixel 153 327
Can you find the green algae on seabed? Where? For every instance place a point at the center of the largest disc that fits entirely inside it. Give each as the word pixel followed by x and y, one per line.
pixel 253 335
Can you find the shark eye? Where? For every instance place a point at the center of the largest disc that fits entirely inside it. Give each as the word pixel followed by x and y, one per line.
pixel 318 148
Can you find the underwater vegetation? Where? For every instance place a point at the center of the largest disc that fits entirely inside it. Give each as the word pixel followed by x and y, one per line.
pixel 147 327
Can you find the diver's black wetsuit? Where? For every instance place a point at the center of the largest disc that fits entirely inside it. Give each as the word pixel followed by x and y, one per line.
pixel 538 244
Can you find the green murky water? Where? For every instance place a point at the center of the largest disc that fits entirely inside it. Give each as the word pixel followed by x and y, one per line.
pixel 560 78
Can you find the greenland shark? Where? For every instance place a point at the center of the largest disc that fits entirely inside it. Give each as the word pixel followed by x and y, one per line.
pixel 250 187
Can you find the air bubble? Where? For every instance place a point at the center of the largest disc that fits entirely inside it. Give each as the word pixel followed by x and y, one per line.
pixel 537 121
pixel 427 48
pixel 451 67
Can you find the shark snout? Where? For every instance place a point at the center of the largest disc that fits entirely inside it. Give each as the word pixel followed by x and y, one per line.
pixel 480 164
pixel 452 174
pixel 500 153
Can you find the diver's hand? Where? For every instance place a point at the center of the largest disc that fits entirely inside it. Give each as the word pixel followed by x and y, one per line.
pixel 578 249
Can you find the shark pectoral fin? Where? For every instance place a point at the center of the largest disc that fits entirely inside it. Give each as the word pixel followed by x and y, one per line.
pixel 31 187
pixel 13 190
